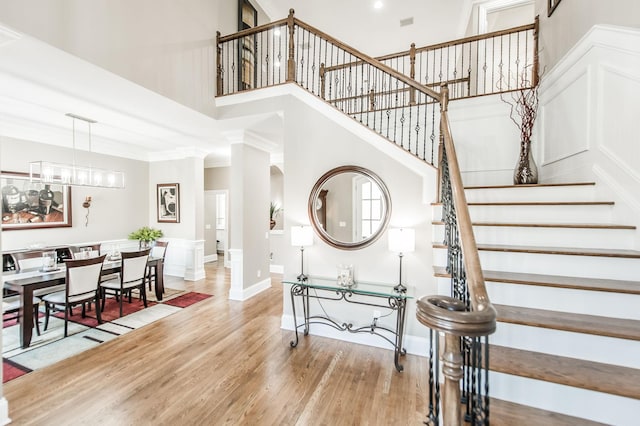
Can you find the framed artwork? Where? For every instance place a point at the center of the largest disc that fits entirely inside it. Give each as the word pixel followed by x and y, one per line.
pixel 552 6
pixel 31 205
pixel 247 18
pixel 169 202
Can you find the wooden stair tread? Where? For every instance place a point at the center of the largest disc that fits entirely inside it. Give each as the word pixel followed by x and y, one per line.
pixel 548 225
pixel 566 321
pixel 506 413
pixel 571 251
pixel 576 283
pixel 538 203
pixel 533 185
pixel 595 376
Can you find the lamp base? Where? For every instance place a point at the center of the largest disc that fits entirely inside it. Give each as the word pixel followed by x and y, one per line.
pixel 302 278
pixel 400 288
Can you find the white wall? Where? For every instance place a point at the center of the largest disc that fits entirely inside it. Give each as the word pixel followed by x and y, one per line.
pixel 314 145
pixel 113 213
pixel 185 254
pixel 589 113
pixel 573 19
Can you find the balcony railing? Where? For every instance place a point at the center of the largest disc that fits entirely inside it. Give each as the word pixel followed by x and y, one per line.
pixel 412 115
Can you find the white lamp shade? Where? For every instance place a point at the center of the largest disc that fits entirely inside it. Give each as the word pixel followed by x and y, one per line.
pixel 301 236
pixel 402 240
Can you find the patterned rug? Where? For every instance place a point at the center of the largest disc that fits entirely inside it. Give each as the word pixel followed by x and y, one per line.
pixel 84 333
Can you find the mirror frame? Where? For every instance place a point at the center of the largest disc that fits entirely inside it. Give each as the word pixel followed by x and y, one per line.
pixel 322 233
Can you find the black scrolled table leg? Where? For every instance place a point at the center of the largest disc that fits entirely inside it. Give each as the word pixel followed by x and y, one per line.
pixel 294 289
pixel 399 350
pixel 305 308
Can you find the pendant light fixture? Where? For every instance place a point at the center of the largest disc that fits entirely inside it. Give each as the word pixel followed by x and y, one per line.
pixel 72 174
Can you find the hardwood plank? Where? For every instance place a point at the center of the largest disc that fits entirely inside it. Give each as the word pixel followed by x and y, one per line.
pixel 548 225
pixel 571 251
pixel 505 413
pixel 576 283
pixel 612 379
pixel 534 185
pixel 566 321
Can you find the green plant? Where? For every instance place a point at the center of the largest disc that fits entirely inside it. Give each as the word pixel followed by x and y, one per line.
pixel 274 210
pixel 146 234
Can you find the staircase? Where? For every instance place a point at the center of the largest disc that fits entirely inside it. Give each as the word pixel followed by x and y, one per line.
pixel 564 282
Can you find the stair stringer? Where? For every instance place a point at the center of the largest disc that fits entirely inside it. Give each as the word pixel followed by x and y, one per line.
pixel 256 102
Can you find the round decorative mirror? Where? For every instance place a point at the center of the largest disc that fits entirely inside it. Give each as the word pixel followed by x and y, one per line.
pixel 349 207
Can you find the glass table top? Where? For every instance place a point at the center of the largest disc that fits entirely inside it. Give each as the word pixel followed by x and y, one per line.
pixel 360 287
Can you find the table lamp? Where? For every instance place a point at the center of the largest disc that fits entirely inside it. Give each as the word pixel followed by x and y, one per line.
pixel 401 241
pixel 301 236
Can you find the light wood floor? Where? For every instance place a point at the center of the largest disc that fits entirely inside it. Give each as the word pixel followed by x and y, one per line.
pixel 223 362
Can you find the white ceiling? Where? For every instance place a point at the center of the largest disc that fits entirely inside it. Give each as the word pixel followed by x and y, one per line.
pixel 39 84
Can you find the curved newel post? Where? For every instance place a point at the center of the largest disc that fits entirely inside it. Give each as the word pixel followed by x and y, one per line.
pixel 218 65
pixel 452 372
pixel 291 63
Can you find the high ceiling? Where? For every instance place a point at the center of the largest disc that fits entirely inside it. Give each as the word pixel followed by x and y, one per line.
pixel 379 31
pixel 39 84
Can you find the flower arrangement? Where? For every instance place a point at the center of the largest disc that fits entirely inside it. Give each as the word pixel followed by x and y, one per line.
pixel 146 234
pixel 274 210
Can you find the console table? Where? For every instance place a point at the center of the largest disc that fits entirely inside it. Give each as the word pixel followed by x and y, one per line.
pixel 368 294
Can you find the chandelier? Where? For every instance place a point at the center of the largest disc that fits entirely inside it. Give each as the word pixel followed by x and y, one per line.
pixel 72 174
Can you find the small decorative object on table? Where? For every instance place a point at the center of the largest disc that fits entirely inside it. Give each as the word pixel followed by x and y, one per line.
pixel 145 236
pixel 345 276
pixel 49 261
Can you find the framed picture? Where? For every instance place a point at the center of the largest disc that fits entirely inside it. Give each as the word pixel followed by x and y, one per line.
pixel 552 6
pixel 169 202
pixel 247 18
pixel 31 205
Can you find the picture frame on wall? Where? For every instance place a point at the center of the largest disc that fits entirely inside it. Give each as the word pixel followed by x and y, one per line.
pixel 247 18
pixel 33 205
pixel 168 202
pixel 552 6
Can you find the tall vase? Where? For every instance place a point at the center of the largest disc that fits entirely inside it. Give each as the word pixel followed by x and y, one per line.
pixel 526 171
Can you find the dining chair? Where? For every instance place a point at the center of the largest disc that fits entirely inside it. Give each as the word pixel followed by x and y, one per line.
pixel 133 273
pixel 158 250
pixel 11 310
pixel 82 285
pixel 78 252
pixel 31 260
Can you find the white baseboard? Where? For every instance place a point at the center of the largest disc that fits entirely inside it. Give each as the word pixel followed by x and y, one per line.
pixel 414 345
pixel 249 292
pixel 211 258
pixel 276 269
pixel 4 411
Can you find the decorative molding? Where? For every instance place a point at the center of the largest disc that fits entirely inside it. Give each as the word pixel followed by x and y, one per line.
pixel 251 291
pixel 276 269
pixel 4 411
pixel 211 258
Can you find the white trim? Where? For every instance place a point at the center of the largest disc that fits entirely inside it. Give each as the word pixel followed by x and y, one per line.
pixel 211 258
pixel 276 269
pixel 4 411
pixel 487 6
pixel 247 293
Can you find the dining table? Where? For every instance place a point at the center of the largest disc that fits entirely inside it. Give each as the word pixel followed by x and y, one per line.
pixel 25 281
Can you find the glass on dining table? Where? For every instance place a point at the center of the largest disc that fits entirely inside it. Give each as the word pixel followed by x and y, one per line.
pixel 49 259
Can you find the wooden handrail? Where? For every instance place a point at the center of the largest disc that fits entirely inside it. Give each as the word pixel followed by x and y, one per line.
pixel 459 41
pixel 254 30
pixel 369 60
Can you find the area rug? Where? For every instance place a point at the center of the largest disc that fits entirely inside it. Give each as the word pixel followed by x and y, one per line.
pixel 84 333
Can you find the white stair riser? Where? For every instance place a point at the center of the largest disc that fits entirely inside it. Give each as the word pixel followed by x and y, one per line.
pixel 538 214
pixel 549 237
pixel 602 349
pixel 539 193
pixel 596 406
pixel 615 305
pixel 554 264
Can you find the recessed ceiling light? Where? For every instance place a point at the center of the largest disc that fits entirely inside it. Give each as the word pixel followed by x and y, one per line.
pixel 377 5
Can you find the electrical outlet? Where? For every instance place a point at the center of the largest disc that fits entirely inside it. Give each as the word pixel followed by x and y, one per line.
pixel 259 273
pixel 376 314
